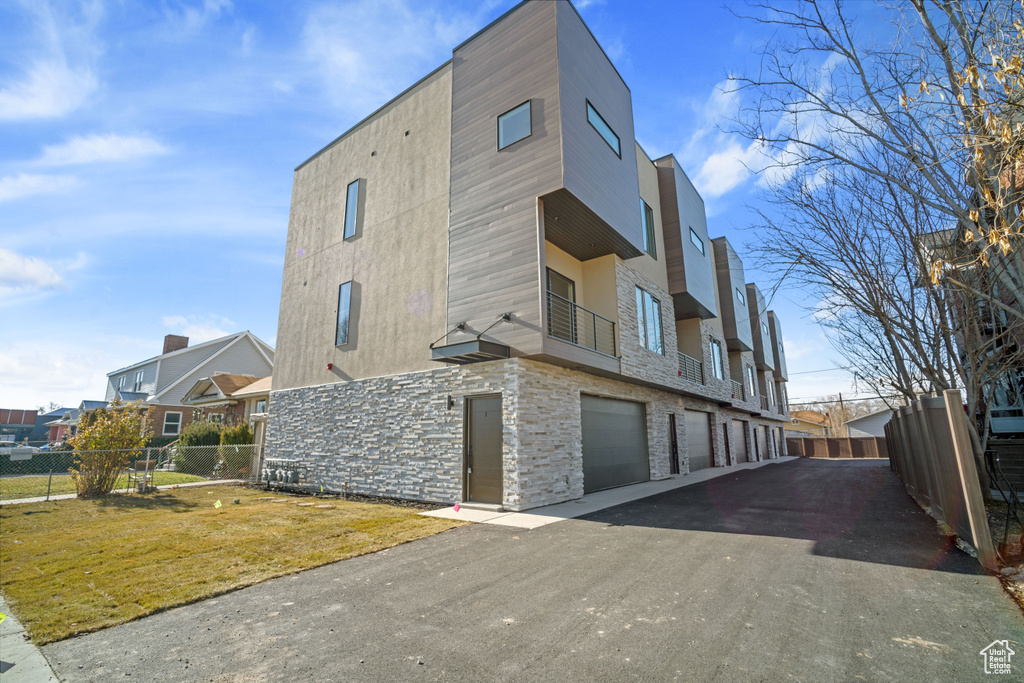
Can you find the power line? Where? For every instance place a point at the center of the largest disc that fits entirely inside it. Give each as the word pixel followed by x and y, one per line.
pixel 802 402
pixel 809 372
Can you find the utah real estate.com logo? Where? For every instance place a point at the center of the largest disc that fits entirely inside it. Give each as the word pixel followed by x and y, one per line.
pixel 997 657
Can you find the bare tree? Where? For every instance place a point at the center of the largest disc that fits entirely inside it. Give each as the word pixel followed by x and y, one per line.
pixel 895 170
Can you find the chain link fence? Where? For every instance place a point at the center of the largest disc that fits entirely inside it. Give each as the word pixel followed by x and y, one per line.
pixel 26 472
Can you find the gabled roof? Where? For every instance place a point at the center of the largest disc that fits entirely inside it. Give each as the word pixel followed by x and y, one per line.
pixel 809 416
pixel 219 387
pixel 864 417
pixel 260 386
pixel 91 405
pixel 130 396
pixel 189 349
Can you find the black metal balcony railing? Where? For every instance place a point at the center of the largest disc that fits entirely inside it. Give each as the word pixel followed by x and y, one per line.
pixel 764 403
pixel 691 369
pixel 577 325
pixel 737 391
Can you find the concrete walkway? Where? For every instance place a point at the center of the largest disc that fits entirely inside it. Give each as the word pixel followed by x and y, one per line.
pixel 20 660
pixel 591 502
pixel 806 570
pixel 70 496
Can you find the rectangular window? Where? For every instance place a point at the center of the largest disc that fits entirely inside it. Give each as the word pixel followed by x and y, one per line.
pixel 647 216
pixel 344 307
pixel 751 381
pixel 217 417
pixel 739 295
pixel 121 380
pixel 717 367
pixel 648 311
pixel 771 390
pixel 603 128
pixel 261 405
pixel 696 240
pixel 138 381
pixel 172 424
pixel 351 208
pixel 764 328
pixel 514 125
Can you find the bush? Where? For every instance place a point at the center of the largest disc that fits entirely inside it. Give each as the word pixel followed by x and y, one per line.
pixel 236 459
pixel 200 433
pixel 107 441
pixel 160 441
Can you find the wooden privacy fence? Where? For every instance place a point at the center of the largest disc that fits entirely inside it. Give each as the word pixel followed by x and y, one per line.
pixel 930 450
pixel 854 447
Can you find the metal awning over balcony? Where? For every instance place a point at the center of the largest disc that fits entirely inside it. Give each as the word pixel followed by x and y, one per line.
pixel 473 351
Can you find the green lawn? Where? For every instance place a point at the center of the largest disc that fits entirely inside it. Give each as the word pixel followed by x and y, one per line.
pixel 13 488
pixel 79 565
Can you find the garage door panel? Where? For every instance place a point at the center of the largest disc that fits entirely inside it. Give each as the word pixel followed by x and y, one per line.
pixel 698 439
pixel 739 440
pixel 614 443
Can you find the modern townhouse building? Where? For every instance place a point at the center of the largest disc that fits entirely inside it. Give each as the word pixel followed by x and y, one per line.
pixel 492 294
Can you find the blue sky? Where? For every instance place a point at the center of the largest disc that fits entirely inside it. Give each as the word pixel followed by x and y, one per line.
pixel 147 154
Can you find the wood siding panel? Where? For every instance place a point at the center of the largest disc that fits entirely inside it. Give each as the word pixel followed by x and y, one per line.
pixel 493 234
pixel 778 349
pixel 593 173
pixel 691 275
pixel 735 317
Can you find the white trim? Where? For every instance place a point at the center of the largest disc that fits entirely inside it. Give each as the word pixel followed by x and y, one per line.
pixel 180 415
pixel 257 343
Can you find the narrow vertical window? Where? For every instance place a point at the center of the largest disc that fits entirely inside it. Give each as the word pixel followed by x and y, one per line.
pixel 751 381
pixel 351 208
pixel 514 125
pixel 138 381
pixel 717 367
pixel 647 216
pixel 696 240
pixel 739 295
pixel 648 310
pixel 603 129
pixel 344 307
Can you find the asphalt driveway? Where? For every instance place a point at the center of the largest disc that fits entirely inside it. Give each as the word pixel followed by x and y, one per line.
pixel 806 570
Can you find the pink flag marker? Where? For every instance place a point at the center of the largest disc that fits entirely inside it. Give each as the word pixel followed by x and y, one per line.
pixel 456 508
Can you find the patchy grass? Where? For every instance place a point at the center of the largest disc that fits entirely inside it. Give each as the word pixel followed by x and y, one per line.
pixel 75 566
pixel 13 488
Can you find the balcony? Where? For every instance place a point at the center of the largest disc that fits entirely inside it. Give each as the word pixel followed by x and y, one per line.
pixel 691 369
pixel 577 325
pixel 764 403
pixel 737 391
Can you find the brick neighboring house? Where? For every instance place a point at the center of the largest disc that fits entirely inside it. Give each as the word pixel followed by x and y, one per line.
pixel 492 293
pixel 162 382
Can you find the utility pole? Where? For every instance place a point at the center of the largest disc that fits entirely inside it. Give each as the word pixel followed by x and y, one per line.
pixel 842 414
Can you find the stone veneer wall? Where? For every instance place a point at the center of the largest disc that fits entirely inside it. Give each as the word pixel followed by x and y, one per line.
pixel 396 436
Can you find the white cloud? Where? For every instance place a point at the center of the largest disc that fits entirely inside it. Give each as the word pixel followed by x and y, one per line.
pixel 27 272
pixel 59 77
pixel 199 328
pixel 368 52
pixel 25 184
pixel 583 4
pixel 92 148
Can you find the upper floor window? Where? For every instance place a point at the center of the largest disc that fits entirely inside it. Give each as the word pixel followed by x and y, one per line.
pixel 604 129
pixel 648 311
pixel 697 241
pixel 739 295
pixel 121 380
pixel 764 328
pixel 138 381
pixel 717 367
pixel 344 308
pixel 351 208
pixel 647 214
pixel 514 125
pixel 751 381
pixel 771 390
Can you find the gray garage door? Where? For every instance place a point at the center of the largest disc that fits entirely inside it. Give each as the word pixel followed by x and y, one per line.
pixel 698 439
pixel 739 440
pixel 614 443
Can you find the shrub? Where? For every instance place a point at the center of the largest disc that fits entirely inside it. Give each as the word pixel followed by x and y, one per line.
pixel 189 457
pixel 236 459
pixel 107 441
